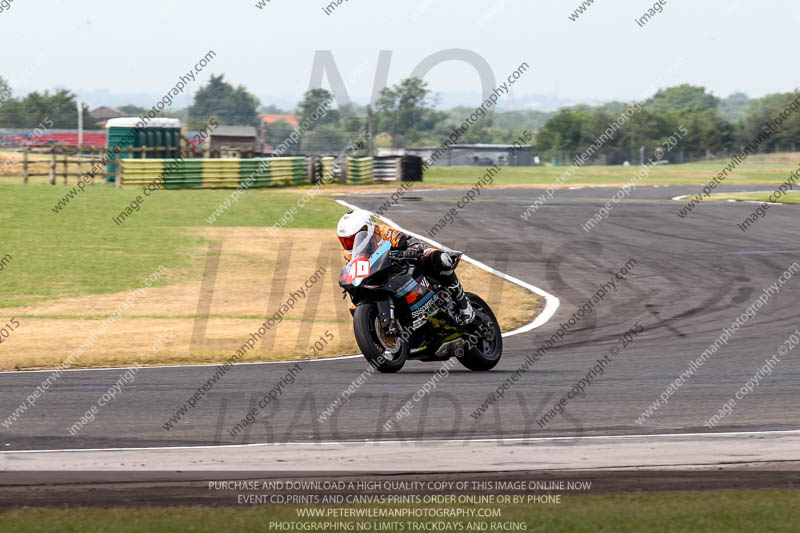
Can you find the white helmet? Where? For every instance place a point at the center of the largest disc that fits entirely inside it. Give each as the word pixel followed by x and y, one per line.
pixel 350 224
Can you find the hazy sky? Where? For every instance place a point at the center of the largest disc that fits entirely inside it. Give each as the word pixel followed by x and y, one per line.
pixel 143 46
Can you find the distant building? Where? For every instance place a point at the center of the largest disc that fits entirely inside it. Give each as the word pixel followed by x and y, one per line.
pixel 266 120
pixel 470 155
pixel 233 137
pixel 103 114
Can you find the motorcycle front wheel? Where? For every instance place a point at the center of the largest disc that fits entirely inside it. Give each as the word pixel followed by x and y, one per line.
pixel 386 353
pixel 485 346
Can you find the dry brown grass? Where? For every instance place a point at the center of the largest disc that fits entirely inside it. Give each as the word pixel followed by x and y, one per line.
pixel 248 286
pixel 782 158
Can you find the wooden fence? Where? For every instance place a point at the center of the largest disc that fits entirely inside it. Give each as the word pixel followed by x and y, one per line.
pixel 63 162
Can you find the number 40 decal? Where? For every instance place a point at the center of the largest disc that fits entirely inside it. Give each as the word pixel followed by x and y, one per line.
pixel 359 269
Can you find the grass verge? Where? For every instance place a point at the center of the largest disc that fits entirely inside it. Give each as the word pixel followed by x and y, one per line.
pixel 757 169
pixel 791 197
pixel 82 251
pixel 751 510
pixel 760 171
pixel 70 271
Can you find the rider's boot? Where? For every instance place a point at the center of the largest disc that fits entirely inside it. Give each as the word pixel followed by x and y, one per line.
pixel 444 268
pixel 466 314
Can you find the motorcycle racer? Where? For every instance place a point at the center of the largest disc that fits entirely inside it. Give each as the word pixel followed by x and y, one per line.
pixel 435 263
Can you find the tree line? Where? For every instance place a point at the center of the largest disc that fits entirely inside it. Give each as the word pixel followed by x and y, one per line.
pixel 60 108
pixel 704 125
pixel 406 115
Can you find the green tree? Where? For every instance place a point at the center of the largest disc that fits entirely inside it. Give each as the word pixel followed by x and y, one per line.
pixel 709 134
pixel 11 115
pixel 5 91
pixel 278 133
pixel 271 109
pixel 646 128
pixel 734 107
pixel 616 145
pixel 132 110
pixel 229 105
pixel 324 140
pixel 10 109
pixel 530 120
pixel 763 111
pixel 568 132
pixel 37 108
pixel 312 104
pixel 683 98
pixel 405 111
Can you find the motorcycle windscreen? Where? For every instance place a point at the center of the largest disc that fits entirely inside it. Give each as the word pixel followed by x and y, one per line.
pixel 367 247
pixel 364 244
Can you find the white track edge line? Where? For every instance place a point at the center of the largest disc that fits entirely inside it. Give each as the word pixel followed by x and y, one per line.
pixel 551 302
pixel 787 432
pixel 186 366
pixel 551 306
pixel 684 196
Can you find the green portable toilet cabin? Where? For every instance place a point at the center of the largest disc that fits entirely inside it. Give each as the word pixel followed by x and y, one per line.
pixel 126 132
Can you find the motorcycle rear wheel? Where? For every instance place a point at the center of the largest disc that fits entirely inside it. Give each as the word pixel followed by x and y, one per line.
pixel 378 347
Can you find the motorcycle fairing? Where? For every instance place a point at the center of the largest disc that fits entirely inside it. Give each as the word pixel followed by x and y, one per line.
pixel 382 249
pixel 366 246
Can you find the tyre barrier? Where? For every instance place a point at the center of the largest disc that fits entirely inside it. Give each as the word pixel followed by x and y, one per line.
pixel 264 172
pixel 330 171
pixel 385 168
pixel 359 170
pixel 215 173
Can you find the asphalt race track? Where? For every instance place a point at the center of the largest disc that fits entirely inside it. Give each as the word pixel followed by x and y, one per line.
pixel 692 278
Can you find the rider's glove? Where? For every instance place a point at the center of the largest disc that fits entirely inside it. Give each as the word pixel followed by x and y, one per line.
pixel 415 252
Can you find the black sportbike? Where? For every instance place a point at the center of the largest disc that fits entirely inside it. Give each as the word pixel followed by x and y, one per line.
pixel 400 314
